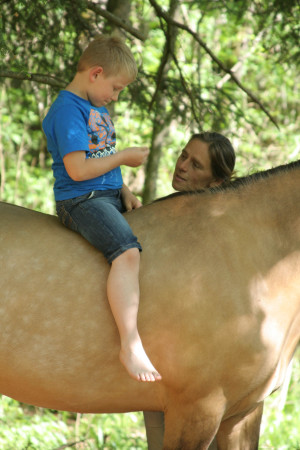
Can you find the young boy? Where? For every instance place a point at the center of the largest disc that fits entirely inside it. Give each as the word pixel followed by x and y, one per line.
pixel 89 190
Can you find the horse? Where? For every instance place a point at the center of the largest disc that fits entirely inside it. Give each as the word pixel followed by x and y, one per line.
pixel 219 312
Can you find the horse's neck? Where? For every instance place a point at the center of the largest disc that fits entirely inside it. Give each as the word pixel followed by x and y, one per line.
pixel 277 201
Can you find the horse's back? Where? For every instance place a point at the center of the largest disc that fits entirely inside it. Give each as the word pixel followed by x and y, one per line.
pixel 59 343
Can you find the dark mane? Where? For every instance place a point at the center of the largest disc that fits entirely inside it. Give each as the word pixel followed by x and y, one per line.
pixel 241 181
pixel 249 179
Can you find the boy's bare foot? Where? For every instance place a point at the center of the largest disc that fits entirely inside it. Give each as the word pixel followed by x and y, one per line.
pixel 137 363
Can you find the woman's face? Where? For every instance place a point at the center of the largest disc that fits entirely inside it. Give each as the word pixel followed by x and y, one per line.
pixel 193 168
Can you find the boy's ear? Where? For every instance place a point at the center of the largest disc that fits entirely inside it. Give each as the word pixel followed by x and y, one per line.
pixel 95 72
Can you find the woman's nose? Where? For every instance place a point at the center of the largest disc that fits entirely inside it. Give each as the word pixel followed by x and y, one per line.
pixel 183 165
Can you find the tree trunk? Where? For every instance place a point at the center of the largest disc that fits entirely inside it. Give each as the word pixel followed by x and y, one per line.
pixel 161 122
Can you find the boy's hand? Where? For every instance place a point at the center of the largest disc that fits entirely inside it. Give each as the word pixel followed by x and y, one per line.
pixel 129 200
pixel 135 156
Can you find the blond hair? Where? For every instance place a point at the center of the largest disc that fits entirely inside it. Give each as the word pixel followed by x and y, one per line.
pixel 112 54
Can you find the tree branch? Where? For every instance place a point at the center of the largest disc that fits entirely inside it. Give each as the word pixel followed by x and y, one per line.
pixel 169 20
pixel 170 35
pixel 39 78
pixel 185 87
pixel 116 20
pixel 245 55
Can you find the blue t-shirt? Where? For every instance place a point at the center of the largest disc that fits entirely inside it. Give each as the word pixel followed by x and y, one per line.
pixel 74 124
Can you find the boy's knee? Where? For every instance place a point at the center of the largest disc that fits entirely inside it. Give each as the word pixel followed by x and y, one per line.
pixel 129 257
pixel 132 255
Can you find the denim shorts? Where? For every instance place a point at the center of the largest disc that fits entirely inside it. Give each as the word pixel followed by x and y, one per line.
pixel 97 216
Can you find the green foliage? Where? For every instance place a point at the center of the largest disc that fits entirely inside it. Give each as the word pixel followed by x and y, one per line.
pixel 256 41
pixel 26 427
pixel 26 176
pixel 280 425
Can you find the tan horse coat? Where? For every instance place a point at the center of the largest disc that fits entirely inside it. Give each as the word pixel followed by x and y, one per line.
pixel 219 313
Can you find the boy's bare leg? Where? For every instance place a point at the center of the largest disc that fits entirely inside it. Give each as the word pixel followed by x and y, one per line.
pixel 123 295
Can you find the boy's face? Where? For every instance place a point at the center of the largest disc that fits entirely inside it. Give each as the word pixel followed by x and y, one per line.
pixel 105 89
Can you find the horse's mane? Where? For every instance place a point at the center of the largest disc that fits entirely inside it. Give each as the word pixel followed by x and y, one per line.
pixel 240 181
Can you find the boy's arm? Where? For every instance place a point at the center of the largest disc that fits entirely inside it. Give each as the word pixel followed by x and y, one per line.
pixel 129 200
pixel 80 168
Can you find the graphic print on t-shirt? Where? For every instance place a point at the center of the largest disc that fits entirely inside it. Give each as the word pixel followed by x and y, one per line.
pixel 102 136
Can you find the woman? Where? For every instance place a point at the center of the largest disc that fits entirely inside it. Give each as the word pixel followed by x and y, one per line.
pixel 206 161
